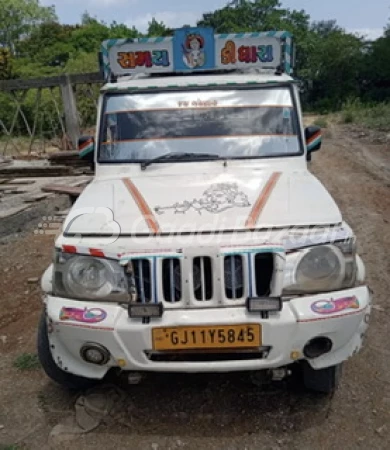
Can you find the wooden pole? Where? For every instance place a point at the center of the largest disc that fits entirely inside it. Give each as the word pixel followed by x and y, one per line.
pixel 71 113
pixel 37 111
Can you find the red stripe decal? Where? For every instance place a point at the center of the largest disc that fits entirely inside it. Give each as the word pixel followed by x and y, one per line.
pixel 262 200
pixel 88 327
pixel 143 206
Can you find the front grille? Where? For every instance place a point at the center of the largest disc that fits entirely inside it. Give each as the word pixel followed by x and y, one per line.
pixel 202 278
pixel 171 280
pixel 142 275
pixel 205 281
pixel 234 277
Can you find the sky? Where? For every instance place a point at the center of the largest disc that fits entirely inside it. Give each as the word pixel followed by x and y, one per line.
pixel 366 18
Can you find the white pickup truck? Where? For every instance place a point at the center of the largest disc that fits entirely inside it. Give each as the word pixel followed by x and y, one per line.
pixel 203 244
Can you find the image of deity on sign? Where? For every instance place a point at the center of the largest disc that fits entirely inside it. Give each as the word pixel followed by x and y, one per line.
pixel 193 51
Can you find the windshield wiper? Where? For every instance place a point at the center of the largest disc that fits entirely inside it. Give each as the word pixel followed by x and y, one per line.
pixel 179 156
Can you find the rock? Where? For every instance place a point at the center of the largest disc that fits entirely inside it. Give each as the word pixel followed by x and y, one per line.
pixel 1 427
pixel 3 339
pixel 64 432
pixel 33 280
pixel 378 308
pixel 381 429
pixel 97 406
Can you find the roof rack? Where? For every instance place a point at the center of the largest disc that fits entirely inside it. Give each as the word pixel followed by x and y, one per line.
pixel 192 50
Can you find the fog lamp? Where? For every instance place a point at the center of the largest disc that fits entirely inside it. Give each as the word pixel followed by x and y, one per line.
pixel 317 347
pixel 95 354
pixel 141 310
pixel 264 304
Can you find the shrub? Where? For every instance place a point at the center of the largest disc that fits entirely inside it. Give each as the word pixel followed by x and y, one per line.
pixel 321 122
pixel 27 361
pixel 375 116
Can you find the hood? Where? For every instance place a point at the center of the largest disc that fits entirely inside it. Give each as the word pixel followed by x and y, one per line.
pixel 202 203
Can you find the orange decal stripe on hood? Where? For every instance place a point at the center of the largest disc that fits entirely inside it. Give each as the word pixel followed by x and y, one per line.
pixel 143 206
pixel 262 200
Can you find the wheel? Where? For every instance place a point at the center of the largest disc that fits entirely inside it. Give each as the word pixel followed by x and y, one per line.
pixel 65 379
pixel 325 381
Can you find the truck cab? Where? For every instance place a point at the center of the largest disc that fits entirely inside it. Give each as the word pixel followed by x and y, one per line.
pixel 204 243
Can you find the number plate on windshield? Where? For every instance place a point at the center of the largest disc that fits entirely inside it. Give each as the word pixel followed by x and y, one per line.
pixel 209 337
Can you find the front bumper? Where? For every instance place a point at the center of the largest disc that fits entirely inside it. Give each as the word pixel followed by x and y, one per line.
pixel 129 341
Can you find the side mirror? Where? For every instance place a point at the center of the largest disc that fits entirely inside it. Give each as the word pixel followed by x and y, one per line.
pixel 87 149
pixel 313 137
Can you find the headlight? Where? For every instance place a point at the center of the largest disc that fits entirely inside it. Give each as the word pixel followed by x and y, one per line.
pixel 320 269
pixel 89 278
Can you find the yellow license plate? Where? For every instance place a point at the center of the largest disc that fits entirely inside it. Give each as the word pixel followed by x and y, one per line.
pixel 210 337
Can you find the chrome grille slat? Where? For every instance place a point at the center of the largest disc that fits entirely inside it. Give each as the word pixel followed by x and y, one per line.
pixel 172 278
pixel 141 281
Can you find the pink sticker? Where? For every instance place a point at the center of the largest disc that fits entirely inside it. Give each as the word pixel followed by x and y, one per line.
pixel 335 306
pixel 86 315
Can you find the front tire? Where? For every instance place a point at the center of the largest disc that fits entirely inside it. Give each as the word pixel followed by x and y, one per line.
pixel 65 379
pixel 324 381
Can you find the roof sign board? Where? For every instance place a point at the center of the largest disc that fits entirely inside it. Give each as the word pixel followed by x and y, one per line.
pixel 198 49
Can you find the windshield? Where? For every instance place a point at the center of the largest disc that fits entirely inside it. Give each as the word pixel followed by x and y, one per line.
pixel 240 123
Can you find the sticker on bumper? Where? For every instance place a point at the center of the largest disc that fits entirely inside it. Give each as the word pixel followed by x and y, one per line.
pixel 86 315
pixel 334 306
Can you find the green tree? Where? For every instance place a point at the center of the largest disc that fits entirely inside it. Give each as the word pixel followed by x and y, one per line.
pixel 5 64
pixel 332 66
pixel 235 3
pixel 259 15
pixel 376 73
pixel 87 19
pixel 325 28
pixel 120 30
pixel 387 29
pixel 156 29
pixel 48 44
pixel 229 20
pixel 89 37
pixel 19 17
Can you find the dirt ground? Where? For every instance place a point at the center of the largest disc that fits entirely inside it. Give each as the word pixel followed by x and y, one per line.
pixel 218 411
